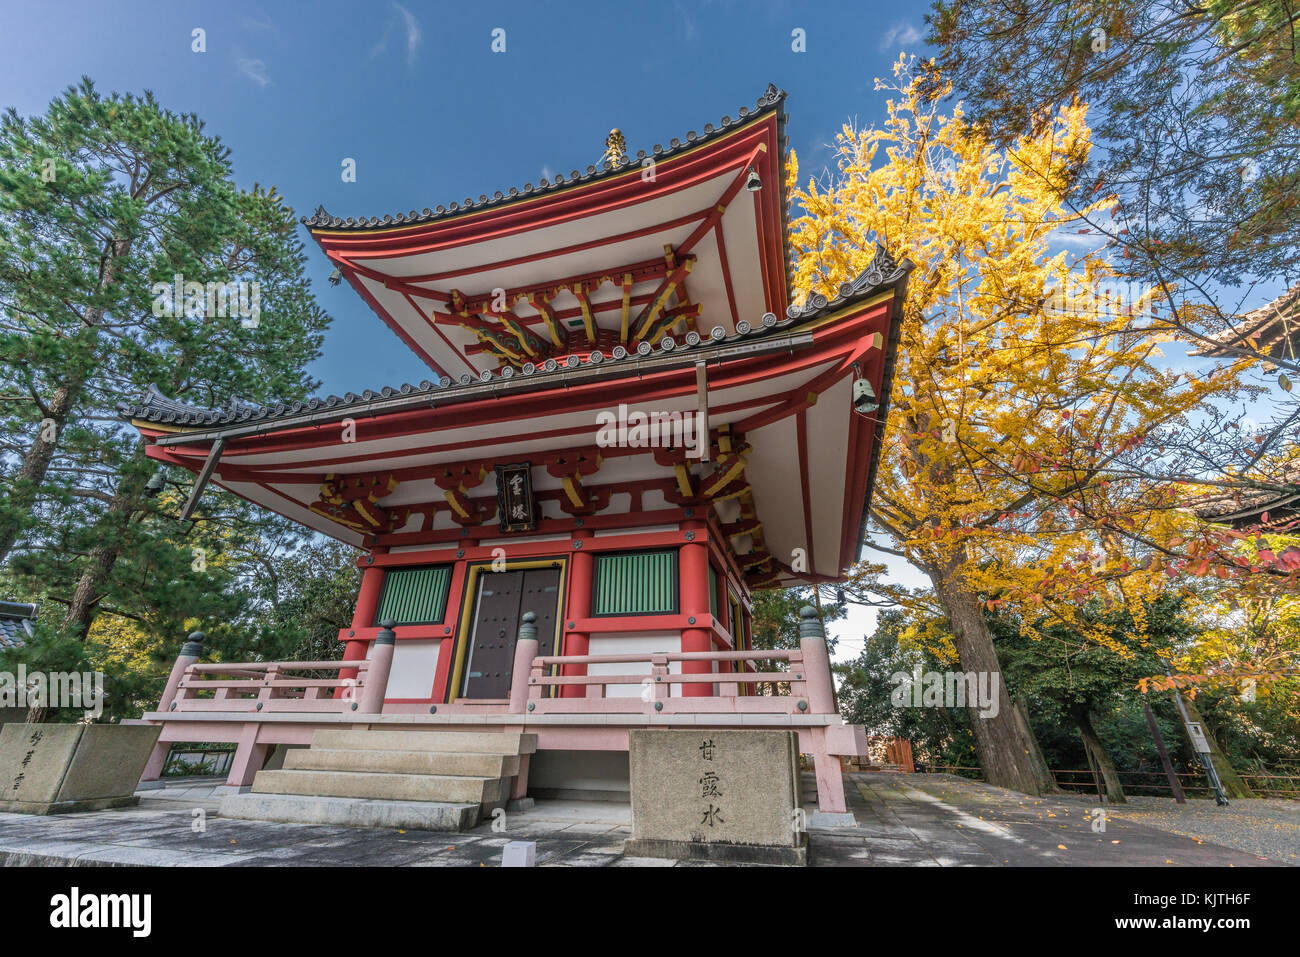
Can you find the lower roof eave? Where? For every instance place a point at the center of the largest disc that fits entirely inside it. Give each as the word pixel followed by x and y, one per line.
pixel 523 385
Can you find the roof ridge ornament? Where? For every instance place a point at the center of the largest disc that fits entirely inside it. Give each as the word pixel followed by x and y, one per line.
pixel 615 149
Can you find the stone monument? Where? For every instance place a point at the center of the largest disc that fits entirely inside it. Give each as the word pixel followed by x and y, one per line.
pixel 727 796
pixel 55 768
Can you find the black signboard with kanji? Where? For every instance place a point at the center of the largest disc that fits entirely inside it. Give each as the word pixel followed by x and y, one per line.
pixel 515 497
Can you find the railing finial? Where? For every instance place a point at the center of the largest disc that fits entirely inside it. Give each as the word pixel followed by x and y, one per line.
pixel 193 647
pixel 387 635
pixel 810 626
pixel 521 684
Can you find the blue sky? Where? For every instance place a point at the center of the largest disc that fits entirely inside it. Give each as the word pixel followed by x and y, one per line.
pixel 416 96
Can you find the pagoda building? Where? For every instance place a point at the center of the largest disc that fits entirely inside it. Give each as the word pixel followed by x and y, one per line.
pixel 627 428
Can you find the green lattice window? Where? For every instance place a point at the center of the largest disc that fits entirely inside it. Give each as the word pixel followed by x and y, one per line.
pixel 637 583
pixel 414 596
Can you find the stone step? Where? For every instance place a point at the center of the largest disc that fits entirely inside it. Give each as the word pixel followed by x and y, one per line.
pixel 447 742
pixel 352 812
pixel 383 786
pixel 402 762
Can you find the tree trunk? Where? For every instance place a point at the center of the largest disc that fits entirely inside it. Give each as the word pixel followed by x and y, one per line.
pixel 1109 773
pixel 1233 785
pixel 31 474
pixel 1008 753
pixel 113 526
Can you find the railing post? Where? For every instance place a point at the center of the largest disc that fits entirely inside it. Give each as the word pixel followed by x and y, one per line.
pixel 816 667
pixel 525 652
pixel 381 663
pixel 266 692
pixel 816 662
pixel 191 651
pixel 660 689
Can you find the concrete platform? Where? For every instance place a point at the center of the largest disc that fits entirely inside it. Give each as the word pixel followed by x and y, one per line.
pixel 377 787
pixel 351 812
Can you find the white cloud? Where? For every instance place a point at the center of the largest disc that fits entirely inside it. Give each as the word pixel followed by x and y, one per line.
pixel 688 23
pixel 900 35
pixel 254 70
pixel 404 24
pixel 412 32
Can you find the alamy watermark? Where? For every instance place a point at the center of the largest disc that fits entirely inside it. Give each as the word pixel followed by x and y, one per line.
pixel 635 429
pixel 80 690
pixel 1079 297
pixel 210 300
pixel 133 912
pixel 947 689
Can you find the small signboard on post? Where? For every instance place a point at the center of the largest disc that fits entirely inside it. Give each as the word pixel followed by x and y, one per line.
pixel 515 499
pixel 1197 734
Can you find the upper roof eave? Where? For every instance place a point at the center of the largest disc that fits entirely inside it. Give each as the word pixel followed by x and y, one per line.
pixel 771 101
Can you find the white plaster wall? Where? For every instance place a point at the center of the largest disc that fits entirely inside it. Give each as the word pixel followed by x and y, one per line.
pixel 414 665
pixel 631 643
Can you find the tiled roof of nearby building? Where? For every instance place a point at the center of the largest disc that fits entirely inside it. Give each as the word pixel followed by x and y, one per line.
pixel 883 273
pixel 16 623
pixel 1247 507
pixel 1272 330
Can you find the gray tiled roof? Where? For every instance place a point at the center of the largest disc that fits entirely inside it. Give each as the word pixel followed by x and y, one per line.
pixel 1246 507
pixel 16 623
pixel 1274 330
pixel 884 272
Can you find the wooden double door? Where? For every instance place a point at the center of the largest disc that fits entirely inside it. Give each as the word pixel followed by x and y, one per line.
pixel 502 599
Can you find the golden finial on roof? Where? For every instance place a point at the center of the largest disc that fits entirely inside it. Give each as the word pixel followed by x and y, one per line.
pixel 615 148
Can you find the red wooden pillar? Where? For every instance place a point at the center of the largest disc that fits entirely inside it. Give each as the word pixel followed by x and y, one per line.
pixel 694 573
pixel 372 582
pixel 577 606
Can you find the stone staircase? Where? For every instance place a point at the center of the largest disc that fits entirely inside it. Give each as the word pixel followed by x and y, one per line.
pixel 431 780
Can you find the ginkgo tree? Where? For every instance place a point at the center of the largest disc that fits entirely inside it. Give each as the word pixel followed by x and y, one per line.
pixel 1022 378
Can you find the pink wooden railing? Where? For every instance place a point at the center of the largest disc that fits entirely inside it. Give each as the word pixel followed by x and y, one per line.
pixel 806 683
pixel 537 686
pixel 271 687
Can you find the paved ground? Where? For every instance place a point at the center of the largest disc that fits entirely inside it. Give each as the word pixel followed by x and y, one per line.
pixel 942 820
pixel 161 831
pixel 902 820
pixel 1265 827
